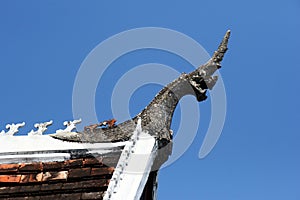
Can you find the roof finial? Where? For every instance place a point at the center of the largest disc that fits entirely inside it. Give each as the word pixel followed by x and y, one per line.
pixel 219 54
pixel 13 128
pixel 70 126
pixel 41 128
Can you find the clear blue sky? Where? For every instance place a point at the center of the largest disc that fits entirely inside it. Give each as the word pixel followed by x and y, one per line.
pixel 43 43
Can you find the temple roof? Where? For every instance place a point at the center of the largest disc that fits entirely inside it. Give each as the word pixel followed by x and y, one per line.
pixel 112 162
pixel 41 167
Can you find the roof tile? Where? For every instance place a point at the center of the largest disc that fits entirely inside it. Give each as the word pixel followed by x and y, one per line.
pixel 10 178
pixel 74 162
pixel 79 172
pixel 38 166
pixel 92 195
pixel 92 161
pixel 54 165
pixel 102 171
pixel 9 167
pixel 71 196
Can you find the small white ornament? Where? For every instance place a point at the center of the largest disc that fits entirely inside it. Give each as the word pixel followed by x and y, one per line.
pixel 41 128
pixel 70 126
pixel 13 128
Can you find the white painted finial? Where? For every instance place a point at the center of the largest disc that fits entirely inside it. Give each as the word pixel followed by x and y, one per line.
pixel 41 128
pixel 70 126
pixel 13 128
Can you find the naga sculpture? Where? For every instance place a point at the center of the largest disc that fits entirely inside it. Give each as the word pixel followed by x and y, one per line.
pixel 157 116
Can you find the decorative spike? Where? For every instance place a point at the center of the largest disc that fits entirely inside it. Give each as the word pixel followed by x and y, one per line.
pixel 13 128
pixel 219 54
pixel 41 128
pixel 215 62
pixel 70 126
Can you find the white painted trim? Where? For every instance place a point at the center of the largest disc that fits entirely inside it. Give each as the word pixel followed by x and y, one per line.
pixel 47 143
pixel 132 171
pixel 14 149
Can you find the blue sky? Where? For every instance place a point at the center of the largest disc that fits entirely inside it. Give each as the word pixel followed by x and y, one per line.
pixel 43 44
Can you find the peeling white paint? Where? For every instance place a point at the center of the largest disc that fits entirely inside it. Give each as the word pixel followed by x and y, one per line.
pixel 133 168
pixel 45 148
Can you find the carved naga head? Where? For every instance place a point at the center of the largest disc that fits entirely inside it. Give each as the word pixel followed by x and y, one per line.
pixel 202 78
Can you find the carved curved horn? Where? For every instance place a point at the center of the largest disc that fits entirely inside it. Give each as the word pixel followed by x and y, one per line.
pixel 219 54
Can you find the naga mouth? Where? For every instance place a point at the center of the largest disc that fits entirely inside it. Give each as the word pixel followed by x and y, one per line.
pixel 201 80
